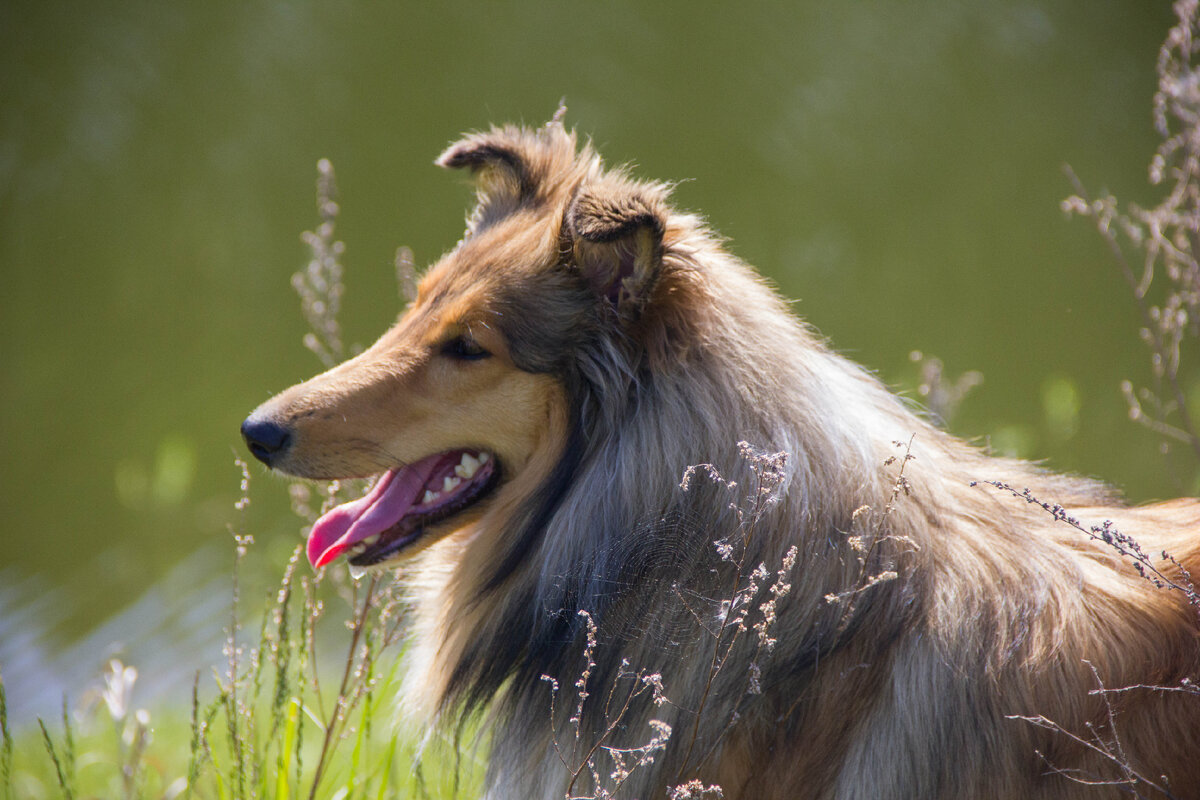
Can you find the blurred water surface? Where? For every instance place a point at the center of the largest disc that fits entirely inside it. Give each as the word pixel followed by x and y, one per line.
pixel 896 166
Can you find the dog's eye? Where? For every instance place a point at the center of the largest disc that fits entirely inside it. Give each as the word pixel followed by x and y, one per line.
pixel 464 349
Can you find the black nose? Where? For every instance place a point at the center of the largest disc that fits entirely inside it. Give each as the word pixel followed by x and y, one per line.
pixel 267 439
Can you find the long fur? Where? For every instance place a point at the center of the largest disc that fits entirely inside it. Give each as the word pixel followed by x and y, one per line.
pixel 938 637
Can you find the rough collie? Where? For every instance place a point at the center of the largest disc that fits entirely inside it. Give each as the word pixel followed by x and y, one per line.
pixel 661 539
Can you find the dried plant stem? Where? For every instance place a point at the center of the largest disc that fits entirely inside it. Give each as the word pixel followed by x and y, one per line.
pixel 717 660
pixel 614 722
pixel 1160 352
pixel 237 776
pixel 319 284
pixel 340 704
pixel 1122 543
pixel 1107 745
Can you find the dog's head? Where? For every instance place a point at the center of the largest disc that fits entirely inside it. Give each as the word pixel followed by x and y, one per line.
pixel 467 403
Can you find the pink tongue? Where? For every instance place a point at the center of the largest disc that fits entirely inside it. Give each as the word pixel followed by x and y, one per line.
pixel 394 495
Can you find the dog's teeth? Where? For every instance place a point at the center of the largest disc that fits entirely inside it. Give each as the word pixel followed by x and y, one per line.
pixel 468 467
pixel 450 484
pixel 483 457
pixel 429 497
pixel 357 572
pixel 370 540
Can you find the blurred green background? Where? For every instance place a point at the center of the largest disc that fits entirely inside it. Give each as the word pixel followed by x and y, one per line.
pixel 895 166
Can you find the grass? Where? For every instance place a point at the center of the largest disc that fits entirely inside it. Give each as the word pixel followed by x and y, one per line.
pixel 370 761
pixel 275 722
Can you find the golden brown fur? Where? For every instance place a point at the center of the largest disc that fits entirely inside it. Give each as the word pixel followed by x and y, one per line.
pixel 626 345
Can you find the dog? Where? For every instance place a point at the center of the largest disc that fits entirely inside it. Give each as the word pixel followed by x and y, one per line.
pixel 663 541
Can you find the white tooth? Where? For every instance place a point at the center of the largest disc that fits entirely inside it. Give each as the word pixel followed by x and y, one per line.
pixel 370 540
pixel 468 467
pixel 429 497
pixel 449 484
pixel 357 572
pixel 483 458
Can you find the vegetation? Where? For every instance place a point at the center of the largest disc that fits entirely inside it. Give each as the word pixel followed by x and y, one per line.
pixel 284 719
pixel 1155 250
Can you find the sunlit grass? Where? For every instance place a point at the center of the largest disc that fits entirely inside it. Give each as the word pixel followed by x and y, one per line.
pixel 303 707
pixel 374 761
pixel 279 720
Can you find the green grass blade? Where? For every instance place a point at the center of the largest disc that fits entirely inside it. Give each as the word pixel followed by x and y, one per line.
pixel 284 765
pixel 196 743
pixel 218 773
pixel 68 746
pixel 58 768
pixel 6 752
pixel 386 779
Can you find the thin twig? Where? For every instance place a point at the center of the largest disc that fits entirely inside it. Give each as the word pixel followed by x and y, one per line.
pixel 339 704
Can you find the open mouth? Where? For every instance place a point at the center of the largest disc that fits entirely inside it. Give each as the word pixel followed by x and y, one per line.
pixel 401 505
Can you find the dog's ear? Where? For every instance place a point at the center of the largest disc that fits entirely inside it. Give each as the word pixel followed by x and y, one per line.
pixel 513 167
pixel 616 232
pixel 500 163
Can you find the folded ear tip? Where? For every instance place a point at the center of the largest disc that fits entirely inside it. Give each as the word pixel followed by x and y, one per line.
pixel 608 218
pixel 466 153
